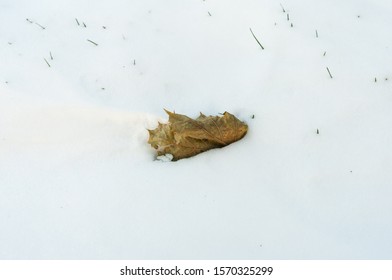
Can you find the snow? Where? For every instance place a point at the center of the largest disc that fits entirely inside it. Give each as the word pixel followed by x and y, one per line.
pixel 79 181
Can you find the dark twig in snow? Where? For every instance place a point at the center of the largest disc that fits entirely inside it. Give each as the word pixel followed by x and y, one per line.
pixel 51 56
pixel 84 24
pixel 77 21
pixel 283 8
pixel 324 53
pixel 29 20
pixel 47 62
pixel 40 25
pixel 329 72
pixel 316 34
pixel 256 39
pixel 288 16
pixel 209 14
pixel 375 80
pixel 92 42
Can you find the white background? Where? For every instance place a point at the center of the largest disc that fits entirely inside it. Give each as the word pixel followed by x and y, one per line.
pixel 307 270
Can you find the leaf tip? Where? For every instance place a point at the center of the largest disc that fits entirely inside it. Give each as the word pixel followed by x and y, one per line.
pixel 168 112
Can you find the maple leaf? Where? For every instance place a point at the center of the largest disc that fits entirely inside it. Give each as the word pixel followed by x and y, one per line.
pixel 183 137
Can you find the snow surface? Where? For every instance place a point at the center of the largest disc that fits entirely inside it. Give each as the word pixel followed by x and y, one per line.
pixel 79 181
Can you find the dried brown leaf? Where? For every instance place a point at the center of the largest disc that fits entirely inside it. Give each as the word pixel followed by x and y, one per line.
pixel 184 137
